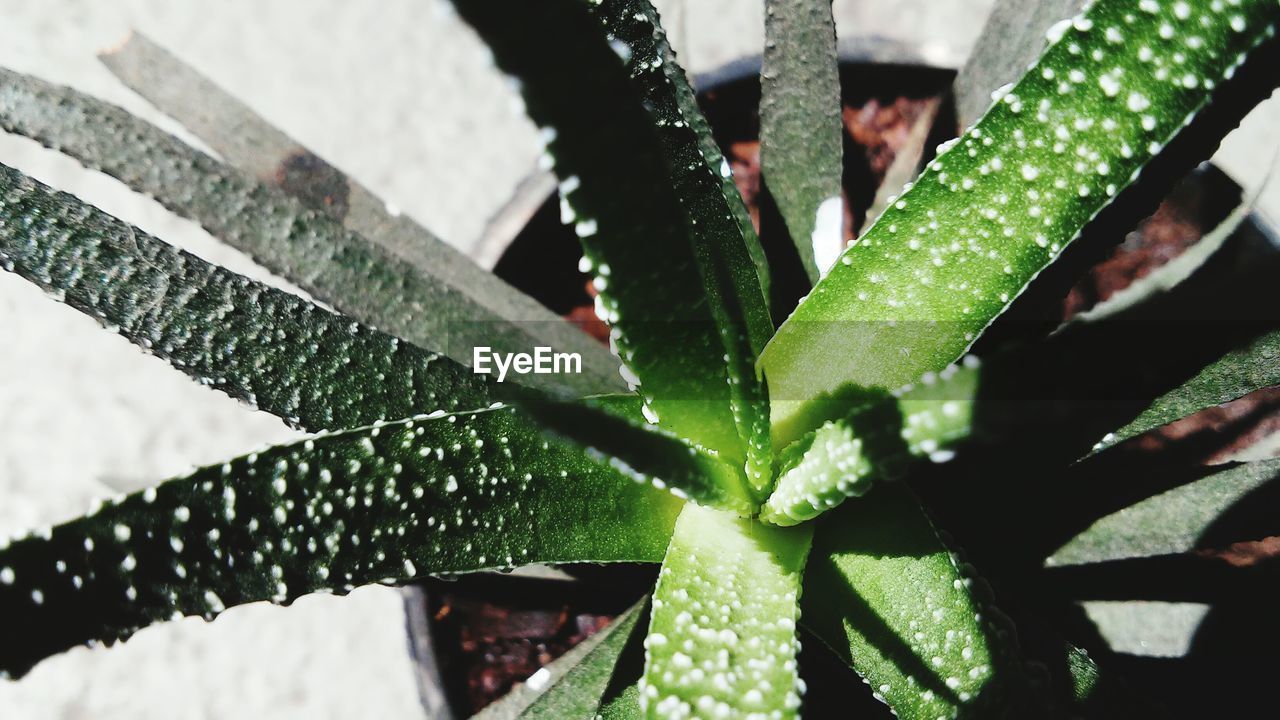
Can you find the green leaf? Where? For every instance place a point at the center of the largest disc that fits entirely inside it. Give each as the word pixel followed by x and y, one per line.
pixel 279 353
pixel 801 135
pixel 1011 39
pixel 247 142
pixel 305 245
pixel 1234 375
pixel 722 641
pixel 386 504
pixel 885 593
pixel 1003 200
pixel 574 684
pixel 1171 522
pixel 660 227
pixel 876 438
pixel 626 706
pixel 579 693
pixel 613 427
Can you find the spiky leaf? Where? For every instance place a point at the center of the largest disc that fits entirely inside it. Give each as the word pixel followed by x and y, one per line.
pixel 249 143
pixel 722 641
pixel 874 439
pixel 801 135
pixel 660 227
pixel 273 350
pixel 1171 522
pixel 580 691
pixel 1232 376
pixel 1114 85
pixel 386 504
pixel 279 231
pixel 884 592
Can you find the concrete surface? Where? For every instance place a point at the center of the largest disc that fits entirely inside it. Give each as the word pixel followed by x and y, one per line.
pixel 397 93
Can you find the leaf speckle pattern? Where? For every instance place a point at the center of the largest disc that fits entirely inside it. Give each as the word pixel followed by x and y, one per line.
pixel 722 639
pixel 335 265
pixel 1003 200
pixel 922 639
pixel 873 441
pixel 385 504
pixel 270 349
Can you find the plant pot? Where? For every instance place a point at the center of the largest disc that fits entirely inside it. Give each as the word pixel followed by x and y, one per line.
pixel 476 636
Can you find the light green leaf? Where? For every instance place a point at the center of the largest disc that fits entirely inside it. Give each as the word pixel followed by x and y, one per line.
pixel 273 350
pixel 885 593
pixel 305 245
pixel 801 135
pixel 1171 522
pixel 722 641
pixel 874 440
pixel 386 504
pixel 1011 39
pixel 1003 200
pixel 660 227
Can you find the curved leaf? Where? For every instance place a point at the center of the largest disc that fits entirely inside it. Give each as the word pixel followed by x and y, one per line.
pixel 386 504
pixel 884 592
pixel 877 436
pixel 660 227
pixel 626 706
pixel 1232 376
pixel 281 232
pixel 1003 200
pixel 722 641
pixel 273 350
pixel 801 134
pixel 515 322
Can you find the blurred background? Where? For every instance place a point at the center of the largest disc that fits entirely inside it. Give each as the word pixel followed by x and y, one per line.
pixel 400 95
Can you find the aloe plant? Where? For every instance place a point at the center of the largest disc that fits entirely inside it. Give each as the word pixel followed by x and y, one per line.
pixel 764 468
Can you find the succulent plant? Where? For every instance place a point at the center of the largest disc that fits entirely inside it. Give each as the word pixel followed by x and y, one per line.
pixel 764 463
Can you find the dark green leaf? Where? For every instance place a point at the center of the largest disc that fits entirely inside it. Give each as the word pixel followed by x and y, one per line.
pixel 801 135
pixel 386 504
pixel 246 141
pixel 613 427
pixel 1171 522
pixel 626 706
pixel 281 354
pixel 660 225
pixel 885 593
pixel 308 246
pixel 1003 200
pixel 579 692
pixel 1234 375
pixel 722 642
